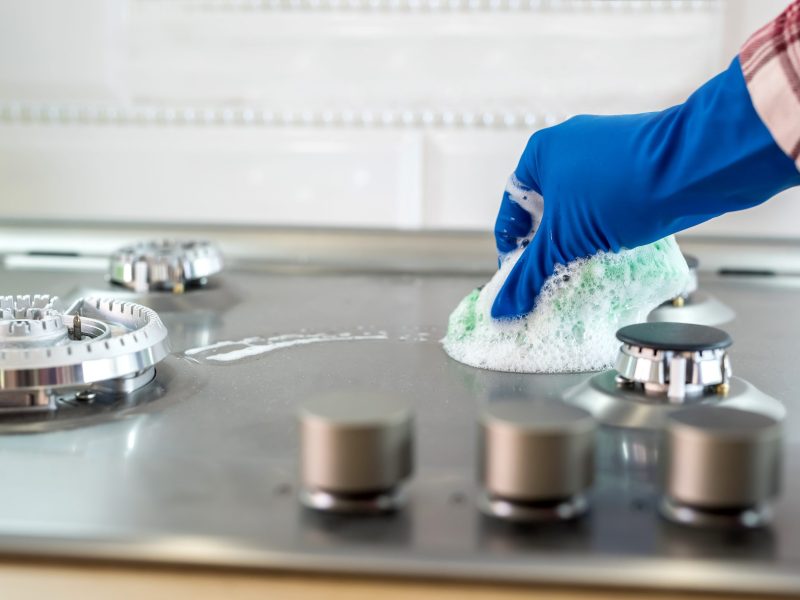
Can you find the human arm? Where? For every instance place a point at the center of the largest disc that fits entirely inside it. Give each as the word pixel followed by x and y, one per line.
pixel 602 183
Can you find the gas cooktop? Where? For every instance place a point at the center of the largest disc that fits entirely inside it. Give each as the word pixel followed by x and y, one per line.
pixel 304 419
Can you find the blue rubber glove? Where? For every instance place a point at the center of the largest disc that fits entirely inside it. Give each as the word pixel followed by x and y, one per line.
pixel 613 182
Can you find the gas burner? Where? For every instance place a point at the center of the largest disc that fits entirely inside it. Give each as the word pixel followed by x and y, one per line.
pixel 665 366
pixel 691 305
pixel 165 265
pixel 98 345
pixel 677 359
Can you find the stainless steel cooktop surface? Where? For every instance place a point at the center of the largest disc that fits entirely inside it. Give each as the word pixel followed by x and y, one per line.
pixel 201 464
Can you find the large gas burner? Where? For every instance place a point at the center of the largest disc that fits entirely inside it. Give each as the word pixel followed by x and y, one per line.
pixel 662 367
pixel 165 265
pixel 97 345
pixel 691 305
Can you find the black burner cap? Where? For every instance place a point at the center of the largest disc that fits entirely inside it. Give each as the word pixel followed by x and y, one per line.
pixel 691 261
pixel 678 337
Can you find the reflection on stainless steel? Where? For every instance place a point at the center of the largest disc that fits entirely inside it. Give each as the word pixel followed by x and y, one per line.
pixel 98 404
pixel 503 538
pixel 332 530
pixel 628 454
pixel 721 467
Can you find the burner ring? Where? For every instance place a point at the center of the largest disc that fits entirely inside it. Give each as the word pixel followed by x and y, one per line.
pixel 109 340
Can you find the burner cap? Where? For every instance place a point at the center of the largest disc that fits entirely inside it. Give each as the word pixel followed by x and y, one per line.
pixel 677 337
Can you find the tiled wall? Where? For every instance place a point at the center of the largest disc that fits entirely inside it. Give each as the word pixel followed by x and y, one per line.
pixel 377 113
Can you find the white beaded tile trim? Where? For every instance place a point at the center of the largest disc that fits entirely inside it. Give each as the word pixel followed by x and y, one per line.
pixel 656 6
pixel 19 112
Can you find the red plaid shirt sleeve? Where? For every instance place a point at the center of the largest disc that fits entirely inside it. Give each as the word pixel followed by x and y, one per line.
pixel 770 61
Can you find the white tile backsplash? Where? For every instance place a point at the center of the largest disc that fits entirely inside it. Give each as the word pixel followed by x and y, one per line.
pixel 465 175
pixel 215 111
pixel 53 50
pixel 230 175
pixel 557 60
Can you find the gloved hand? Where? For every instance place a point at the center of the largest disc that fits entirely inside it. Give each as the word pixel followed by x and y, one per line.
pixel 613 182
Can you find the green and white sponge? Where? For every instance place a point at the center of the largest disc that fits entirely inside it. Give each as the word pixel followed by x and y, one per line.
pixel 573 326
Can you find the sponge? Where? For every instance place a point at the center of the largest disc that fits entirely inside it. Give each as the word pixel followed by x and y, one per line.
pixel 577 314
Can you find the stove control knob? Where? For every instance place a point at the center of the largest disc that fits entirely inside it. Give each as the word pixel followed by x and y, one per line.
pixel 536 460
pixel 356 452
pixel 721 467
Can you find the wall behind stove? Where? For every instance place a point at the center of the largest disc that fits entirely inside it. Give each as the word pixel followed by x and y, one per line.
pixel 382 113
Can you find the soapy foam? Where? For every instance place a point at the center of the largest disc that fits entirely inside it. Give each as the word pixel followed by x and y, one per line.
pixel 577 314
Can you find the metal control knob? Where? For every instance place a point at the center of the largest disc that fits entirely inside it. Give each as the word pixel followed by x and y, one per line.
pixel 721 467
pixel 356 452
pixel 536 459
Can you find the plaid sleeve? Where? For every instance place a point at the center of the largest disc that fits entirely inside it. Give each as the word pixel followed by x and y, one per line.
pixel 770 62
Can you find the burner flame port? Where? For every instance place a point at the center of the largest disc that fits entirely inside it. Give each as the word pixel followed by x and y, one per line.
pixel 26 321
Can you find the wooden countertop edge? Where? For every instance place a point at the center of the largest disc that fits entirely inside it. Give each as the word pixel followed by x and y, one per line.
pixel 88 581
